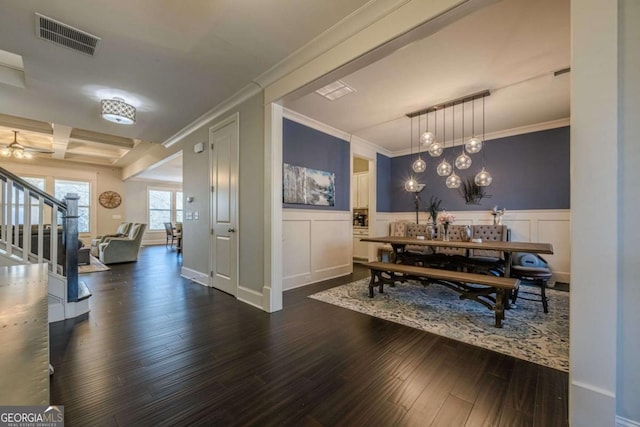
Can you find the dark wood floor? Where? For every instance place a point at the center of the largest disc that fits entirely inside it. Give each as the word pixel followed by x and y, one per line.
pixel 157 349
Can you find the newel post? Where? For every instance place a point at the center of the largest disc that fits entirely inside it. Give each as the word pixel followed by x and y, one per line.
pixel 70 235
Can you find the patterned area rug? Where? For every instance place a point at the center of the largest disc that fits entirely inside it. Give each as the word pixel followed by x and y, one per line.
pixel 527 332
pixel 96 265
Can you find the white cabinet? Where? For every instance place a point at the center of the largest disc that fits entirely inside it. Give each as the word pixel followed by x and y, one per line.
pixel 360 249
pixel 360 190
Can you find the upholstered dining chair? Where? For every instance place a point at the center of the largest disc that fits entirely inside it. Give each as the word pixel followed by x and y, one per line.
pixel 534 269
pixel 486 261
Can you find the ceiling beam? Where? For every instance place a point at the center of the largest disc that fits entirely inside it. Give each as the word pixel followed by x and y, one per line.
pixel 83 135
pixel 60 141
pixel 18 123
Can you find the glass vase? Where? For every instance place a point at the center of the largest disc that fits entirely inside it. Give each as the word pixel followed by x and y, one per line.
pixel 445 232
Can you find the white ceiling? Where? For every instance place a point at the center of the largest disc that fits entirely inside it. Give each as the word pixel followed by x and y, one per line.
pixel 175 61
pixel 511 48
pixel 169 170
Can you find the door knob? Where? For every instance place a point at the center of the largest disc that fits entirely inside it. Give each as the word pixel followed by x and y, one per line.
pixel 231 230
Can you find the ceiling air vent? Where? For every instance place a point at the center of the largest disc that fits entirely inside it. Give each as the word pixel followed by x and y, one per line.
pixel 65 35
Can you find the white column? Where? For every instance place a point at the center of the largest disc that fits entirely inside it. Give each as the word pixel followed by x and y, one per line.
pixel 272 295
pixel 594 211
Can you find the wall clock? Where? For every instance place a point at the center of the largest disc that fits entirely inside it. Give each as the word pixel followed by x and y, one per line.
pixel 110 199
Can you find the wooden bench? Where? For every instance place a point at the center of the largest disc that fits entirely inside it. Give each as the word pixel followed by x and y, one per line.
pixel 477 287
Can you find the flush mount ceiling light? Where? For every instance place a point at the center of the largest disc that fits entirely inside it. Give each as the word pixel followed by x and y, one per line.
pixel 117 111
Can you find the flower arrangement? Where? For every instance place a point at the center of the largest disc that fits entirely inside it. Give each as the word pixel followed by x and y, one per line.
pixel 445 218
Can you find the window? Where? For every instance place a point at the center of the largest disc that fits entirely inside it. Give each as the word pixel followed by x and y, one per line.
pixel 164 206
pixel 19 194
pixel 159 209
pixel 178 206
pixel 83 190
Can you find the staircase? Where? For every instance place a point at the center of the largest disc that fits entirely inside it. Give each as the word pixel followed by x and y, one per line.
pixel 27 240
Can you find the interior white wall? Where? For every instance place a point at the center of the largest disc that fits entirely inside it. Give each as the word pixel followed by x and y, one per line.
pixel 136 210
pixel 628 389
pixel 594 211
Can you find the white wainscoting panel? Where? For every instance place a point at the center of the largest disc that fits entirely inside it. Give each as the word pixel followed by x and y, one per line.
pixel 296 249
pixel 317 245
pixel 545 225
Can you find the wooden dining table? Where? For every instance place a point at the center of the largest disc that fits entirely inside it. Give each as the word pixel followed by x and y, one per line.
pixel 506 247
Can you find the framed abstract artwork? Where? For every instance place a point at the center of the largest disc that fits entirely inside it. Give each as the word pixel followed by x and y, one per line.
pixel 308 186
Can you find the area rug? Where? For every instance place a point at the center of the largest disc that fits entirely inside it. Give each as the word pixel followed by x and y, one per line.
pixel 96 265
pixel 527 332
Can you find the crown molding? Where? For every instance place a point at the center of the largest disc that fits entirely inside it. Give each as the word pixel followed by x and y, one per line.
pixel 324 128
pixel 553 124
pixel 219 110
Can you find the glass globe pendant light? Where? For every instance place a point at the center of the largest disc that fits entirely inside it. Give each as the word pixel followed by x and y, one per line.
pixel 483 178
pixel 427 137
pixel 474 144
pixel 453 181
pixel 444 168
pixel 411 185
pixel 463 161
pixel 419 165
pixel 436 148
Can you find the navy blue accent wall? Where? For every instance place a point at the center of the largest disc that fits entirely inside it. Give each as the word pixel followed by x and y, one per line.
pixel 530 171
pixel 303 146
pixel 383 180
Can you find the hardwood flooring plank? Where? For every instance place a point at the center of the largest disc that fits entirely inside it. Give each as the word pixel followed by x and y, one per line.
pixel 454 412
pixel 158 349
pixel 552 403
pixel 521 394
pixel 487 408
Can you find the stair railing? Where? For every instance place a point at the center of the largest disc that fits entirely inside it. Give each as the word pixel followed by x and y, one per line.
pixel 24 237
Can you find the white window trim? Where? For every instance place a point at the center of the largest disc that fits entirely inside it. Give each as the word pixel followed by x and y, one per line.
pixel 50 175
pixel 173 191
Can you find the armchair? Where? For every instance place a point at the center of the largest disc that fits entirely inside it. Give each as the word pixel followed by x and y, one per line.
pixel 122 249
pixel 121 231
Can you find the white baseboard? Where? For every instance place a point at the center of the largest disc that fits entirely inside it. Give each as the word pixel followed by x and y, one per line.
pixel 624 422
pixel 250 297
pixel 294 282
pixel 591 405
pixel 195 276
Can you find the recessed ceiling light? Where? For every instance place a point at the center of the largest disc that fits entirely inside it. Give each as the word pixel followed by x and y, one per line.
pixel 335 90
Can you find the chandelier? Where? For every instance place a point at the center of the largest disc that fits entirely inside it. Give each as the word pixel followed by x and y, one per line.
pixel 436 147
pixel 117 111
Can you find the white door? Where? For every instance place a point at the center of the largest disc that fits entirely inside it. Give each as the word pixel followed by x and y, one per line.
pixel 224 203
